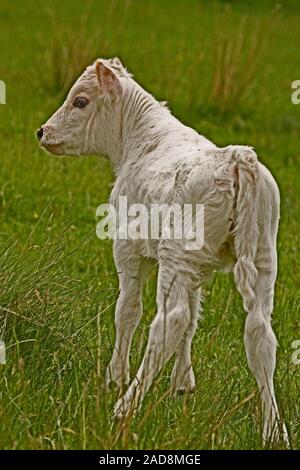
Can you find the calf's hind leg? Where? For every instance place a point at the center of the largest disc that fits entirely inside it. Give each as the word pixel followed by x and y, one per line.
pixel 260 341
pixel 260 344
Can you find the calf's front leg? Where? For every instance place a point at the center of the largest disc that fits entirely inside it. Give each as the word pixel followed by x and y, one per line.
pixel 182 377
pixel 127 317
pixel 132 273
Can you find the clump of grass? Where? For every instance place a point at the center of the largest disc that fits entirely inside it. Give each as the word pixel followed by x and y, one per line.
pixel 67 54
pixel 238 51
pixel 50 324
pixel 70 50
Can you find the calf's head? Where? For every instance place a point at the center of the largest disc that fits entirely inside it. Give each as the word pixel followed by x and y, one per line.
pixel 83 124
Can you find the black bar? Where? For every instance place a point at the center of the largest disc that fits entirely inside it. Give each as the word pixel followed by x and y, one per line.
pixel 145 459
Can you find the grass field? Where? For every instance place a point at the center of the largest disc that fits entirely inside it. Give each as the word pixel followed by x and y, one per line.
pixel 226 69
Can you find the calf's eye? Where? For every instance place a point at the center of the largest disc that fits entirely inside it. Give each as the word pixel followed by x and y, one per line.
pixel 80 102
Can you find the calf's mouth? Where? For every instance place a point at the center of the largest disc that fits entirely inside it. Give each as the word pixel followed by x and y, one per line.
pixel 55 149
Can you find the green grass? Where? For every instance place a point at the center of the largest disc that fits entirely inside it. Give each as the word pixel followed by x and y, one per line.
pixel 58 282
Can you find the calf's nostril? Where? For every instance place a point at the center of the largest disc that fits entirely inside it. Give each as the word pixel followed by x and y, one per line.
pixel 39 133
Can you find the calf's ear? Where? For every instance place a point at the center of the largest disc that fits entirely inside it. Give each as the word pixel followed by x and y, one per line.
pixel 116 61
pixel 110 85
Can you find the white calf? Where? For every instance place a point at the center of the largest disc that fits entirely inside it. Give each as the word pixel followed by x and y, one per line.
pixel 159 160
